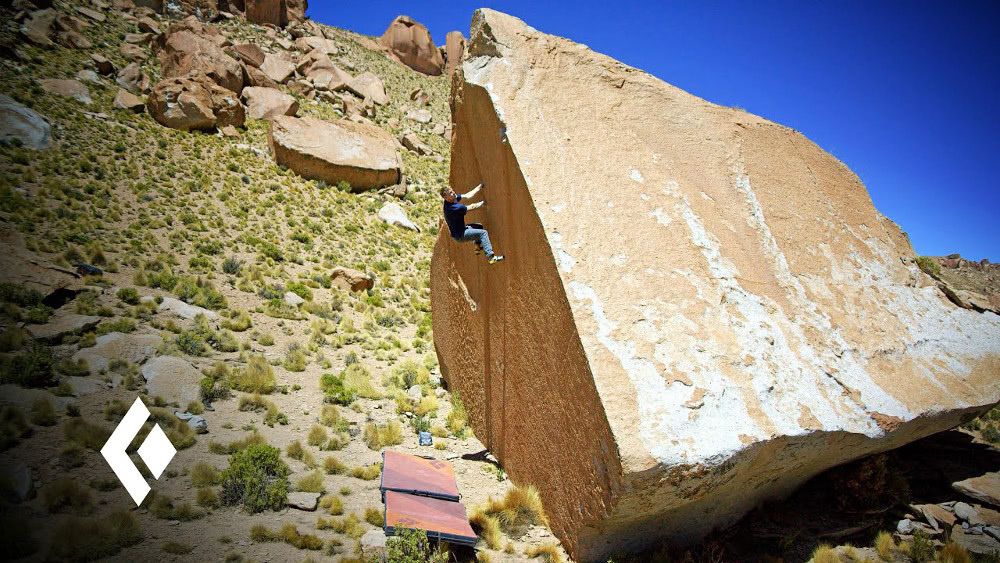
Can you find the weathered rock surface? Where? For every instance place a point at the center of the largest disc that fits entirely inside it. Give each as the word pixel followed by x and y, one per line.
pixel 133 79
pixel 700 309
pixel 67 88
pixel 985 488
pixel 192 47
pixel 363 155
pixel 293 299
pixel 277 68
pixel 60 324
pixel 39 28
pixel 250 54
pixel 419 115
pixel 266 103
pixel 194 103
pixel 134 348
pixel 103 64
pixel 454 50
pixel 412 141
pixel 194 421
pixel 172 378
pixel 350 279
pixel 127 100
pixel 393 214
pixel 321 44
pixel 303 501
pixel 373 544
pixel 410 43
pixel 185 310
pixel 367 85
pixel 23 124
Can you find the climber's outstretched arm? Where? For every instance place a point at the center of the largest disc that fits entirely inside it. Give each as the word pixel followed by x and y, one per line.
pixel 472 192
pixel 476 205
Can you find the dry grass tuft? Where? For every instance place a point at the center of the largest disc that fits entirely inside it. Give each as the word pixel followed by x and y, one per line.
pixel 311 483
pixel 953 553
pixel 884 545
pixel 374 517
pixel 377 437
pixel 825 554
pixel 548 551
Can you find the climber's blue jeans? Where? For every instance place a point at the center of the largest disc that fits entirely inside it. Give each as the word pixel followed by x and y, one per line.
pixel 479 235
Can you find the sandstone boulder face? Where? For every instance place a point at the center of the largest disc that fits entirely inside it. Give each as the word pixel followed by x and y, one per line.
pixel 266 103
pixel 191 47
pixel 363 155
pixel 454 50
pixel 194 102
pixel 21 123
pixel 410 43
pixel 367 85
pixel 699 310
pixel 276 12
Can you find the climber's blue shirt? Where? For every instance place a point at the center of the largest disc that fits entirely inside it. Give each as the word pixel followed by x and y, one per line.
pixel 454 215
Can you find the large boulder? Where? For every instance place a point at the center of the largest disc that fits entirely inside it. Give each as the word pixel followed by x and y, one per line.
pixel 173 379
pixel 410 43
pixel 700 309
pixel 132 78
pixel 363 155
pixel 40 27
pixel 320 70
pixel 21 123
pixel 393 214
pixel 249 53
pixel 192 47
pixel 67 88
pixel 276 12
pixel 367 85
pixel 454 50
pixel 194 102
pixel 266 103
pixel 277 68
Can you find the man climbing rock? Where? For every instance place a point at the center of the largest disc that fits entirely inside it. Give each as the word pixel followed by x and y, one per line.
pixel 454 215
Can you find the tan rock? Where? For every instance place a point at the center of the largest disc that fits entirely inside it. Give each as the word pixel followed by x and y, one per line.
pixel 61 324
pixel 264 11
pixel 320 70
pixel 266 103
pixel 133 79
pixel 141 39
pixel 190 47
pixel 321 44
pixel 985 488
pixel 103 65
pixel 126 100
pixel 92 14
pixel 422 98
pixel 40 27
pixel 194 103
pixel 651 237
pixel 364 156
pixel 253 76
pixel 132 52
pixel 149 25
pixel 21 123
pixel 454 50
pixel 367 85
pixel 277 68
pixel 230 131
pixel 411 141
pixel 250 54
pixel 67 88
pixel 173 379
pixel 350 279
pixel 73 40
pixel 410 43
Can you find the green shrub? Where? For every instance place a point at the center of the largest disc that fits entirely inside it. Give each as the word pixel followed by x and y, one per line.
pixel 43 413
pixel 128 295
pixel 87 539
pixel 20 295
pixel 412 546
pixel 991 434
pixel 32 368
pixel 256 479
pixel 87 434
pixel 333 386
pixel 256 377
pixel 67 495
pixel 930 266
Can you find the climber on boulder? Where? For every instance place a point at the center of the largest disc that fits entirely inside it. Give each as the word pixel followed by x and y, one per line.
pixel 454 215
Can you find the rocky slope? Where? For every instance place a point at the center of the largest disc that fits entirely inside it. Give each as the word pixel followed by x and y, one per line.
pixel 273 307
pixel 699 310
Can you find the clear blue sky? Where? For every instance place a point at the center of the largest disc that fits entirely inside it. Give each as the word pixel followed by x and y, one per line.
pixel 907 94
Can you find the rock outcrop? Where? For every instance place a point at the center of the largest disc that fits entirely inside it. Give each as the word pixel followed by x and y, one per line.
pixel 454 49
pixel 276 12
pixel 699 310
pixel 362 155
pixel 23 124
pixel 192 47
pixel 410 43
pixel 266 103
pixel 194 103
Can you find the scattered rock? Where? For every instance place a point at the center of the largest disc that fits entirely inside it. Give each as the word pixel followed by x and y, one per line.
pixel 421 97
pixel 321 71
pixel 412 142
pixel 129 101
pixel 979 544
pixel 265 103
pixel 367 85
pixel 185 310
pixel 277 68
pixel 419 115
pixel 194 103
pixel 968 514
pixel 73 40
pixel 133 348
pixel 22 486
pixel 321 44
pixel 133 79
pixel 23 124
pixel 393 214
pixel 415 392
pixel 229 131
pixel 89 76
pixel 92 14
pixel 195 422
pixel 303 501
pixel 373 545
pixel 148 25
pixel 904 526
pixel 173 379
pixel 293 299
pixel 191 47
pixel 347 278
pixel 985 488
pixel 39 28
pixel 363 155
pixel 60 324
pixel 67 88
pixel 138 38
pixel 84 385
pixel 132 52
pixel 410 43
pixel 253 76
pixel 250 54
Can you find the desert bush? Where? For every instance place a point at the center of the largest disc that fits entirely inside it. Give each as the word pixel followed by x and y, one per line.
pixel 165 508
pixel 458 417
pixel 34 367
pixel 317 435
pixel 520 508
pixel 412 546
pixel 87 434
pixel 367 472
pixel 208 498
pixel 378 436
pixel 256 377
pixel 332 505
pixel 930 266
pixel 87 539
pixel 67 495
pixel 43 413
pixel 336 392
pixel 128 295
pixel 203 475
pixel 333 466
pixel 374 517
pixel 256 479
pixel 311 483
